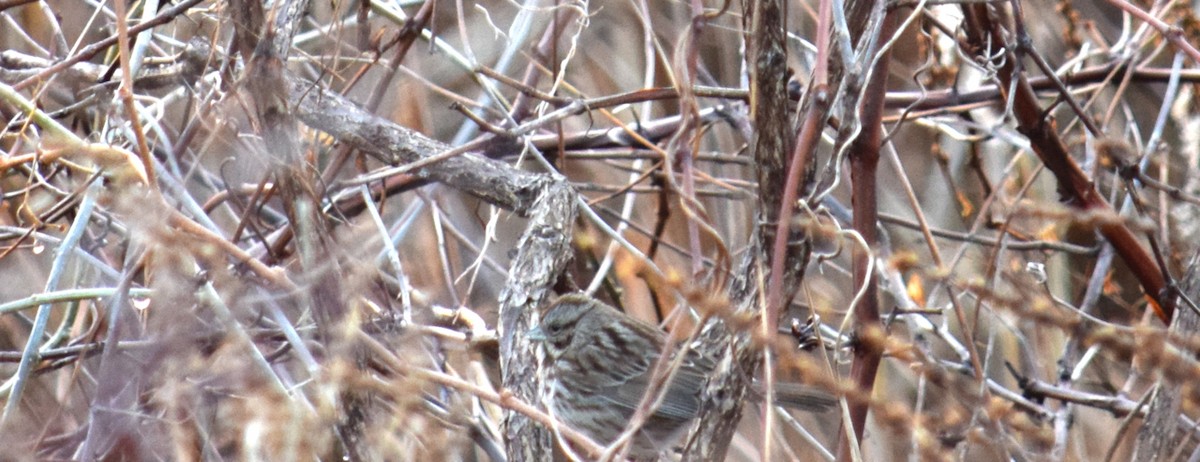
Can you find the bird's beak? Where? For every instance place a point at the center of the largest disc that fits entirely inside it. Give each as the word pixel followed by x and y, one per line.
pixel 536 334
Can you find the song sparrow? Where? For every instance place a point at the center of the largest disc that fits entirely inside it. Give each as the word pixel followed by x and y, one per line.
pixel 599 364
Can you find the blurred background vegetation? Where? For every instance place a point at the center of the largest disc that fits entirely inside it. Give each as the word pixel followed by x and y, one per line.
pixel 185 276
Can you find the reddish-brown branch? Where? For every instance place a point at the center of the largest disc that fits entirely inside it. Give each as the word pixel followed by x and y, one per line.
pixel 1074 186
pixel 1173 34
pixel 806 143
pixel 864 161
pixel 403 42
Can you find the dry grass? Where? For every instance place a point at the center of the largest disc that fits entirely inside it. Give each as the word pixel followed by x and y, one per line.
pixel 240 299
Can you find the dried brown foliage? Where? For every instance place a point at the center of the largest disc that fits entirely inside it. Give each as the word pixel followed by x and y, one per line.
pixel 306 231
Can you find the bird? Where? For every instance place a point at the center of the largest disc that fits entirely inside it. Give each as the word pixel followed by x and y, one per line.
pixel 599 363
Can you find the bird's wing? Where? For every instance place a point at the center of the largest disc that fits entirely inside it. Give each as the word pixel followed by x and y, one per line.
pixel 681 402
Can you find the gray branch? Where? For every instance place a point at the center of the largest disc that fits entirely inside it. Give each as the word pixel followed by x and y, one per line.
pixel 1161 435
pixel 541 253
pixel 492 181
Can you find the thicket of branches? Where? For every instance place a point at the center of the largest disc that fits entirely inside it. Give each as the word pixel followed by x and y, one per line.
pixel 321 230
